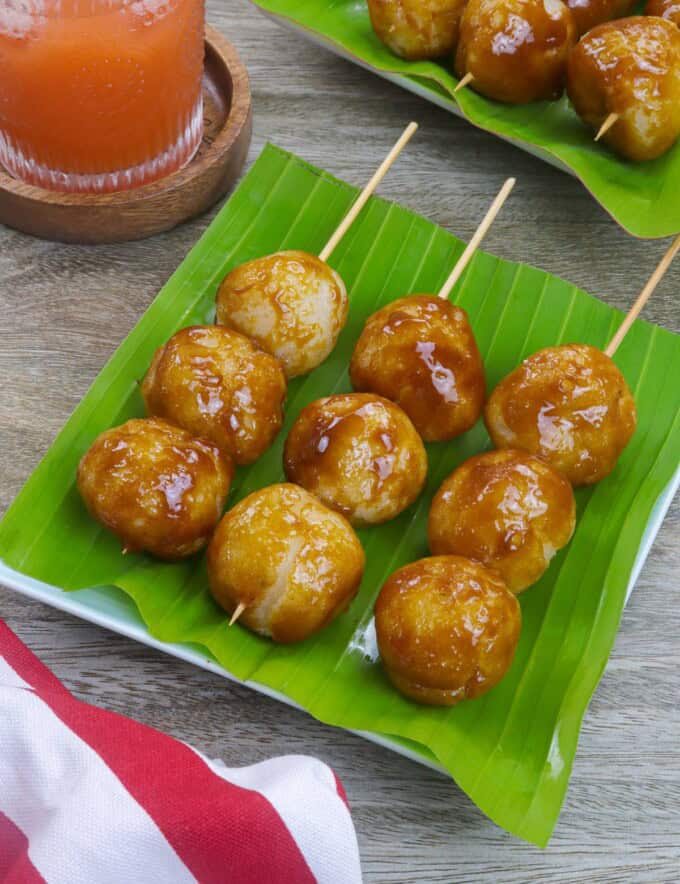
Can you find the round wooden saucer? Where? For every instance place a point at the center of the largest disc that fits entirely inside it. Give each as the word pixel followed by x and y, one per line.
pixel 134 214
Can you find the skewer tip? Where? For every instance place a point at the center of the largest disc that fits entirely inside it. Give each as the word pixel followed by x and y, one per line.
pixel 468 78
pixel 240 608
pixel 606 126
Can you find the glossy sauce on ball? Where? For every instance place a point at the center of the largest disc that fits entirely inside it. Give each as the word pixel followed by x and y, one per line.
pixel 588 13
pixel 359 454
pixel 294 563
pixel 420 352
pixel 668 9
pixel 516 50
pixel 569 405
pixel 291 303
pixel 217 384
pixel 447 629
pixel 630 67
pixel 155 487
pixel 417 29
pixel 508 510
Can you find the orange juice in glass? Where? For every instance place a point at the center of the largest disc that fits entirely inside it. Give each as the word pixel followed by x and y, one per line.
pixel 99 95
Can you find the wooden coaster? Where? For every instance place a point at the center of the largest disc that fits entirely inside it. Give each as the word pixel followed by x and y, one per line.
pixel 135 214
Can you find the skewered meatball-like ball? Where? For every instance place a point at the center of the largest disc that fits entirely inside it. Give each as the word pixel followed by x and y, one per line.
pixel 588 13
pixel 516 50
pixel 291 303
pixel 155 487
pixel 217 384
pixel 447 629
pixel 629 67
pixel 508 510
pixel 359 454
pixel 420 352
pixel 569 405
pixel 290 560
pixel 417 29
pixel 668 9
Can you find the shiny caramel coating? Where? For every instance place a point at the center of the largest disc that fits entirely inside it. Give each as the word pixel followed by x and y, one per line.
pixel 294 563
pixel 516 50
pixel 569 405
pixel 219 385
pixel 420 352
pixel 508 510
pixel 291 303
pixel 589 13
pixel 359 454
pixel 629 67
pixel 155 486
pixel 447 629
pixel 417 29
pixel 668 9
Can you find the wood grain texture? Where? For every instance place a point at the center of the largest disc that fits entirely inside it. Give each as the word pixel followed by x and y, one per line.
pixel 163 204
pixel 64 309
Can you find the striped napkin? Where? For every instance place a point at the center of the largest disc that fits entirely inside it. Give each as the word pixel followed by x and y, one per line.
pixel 91 797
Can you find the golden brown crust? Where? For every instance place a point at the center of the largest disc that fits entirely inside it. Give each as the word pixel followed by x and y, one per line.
pixel 516 50
pixel 291 303
pixel 420 352
pixel 589 13
pixel 294 563
pixel 447 629
pixel 217 384
pixel 508 510
pixel 155 487
pixel 417 29
pixel 629 67
pixel 668 9
pixel 359 454
pixel 569 405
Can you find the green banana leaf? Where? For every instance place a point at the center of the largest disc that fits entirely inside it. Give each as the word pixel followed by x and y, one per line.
pixel 641 197
pixel 511 750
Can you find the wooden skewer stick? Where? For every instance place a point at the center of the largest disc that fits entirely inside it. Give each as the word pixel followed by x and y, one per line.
pixel 468 78
pixel 363 197
pixel 643 297
pixel 478 236
pixel 240 608
pixel 606 126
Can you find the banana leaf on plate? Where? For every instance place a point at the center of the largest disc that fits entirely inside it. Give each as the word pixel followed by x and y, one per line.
pixel 513 749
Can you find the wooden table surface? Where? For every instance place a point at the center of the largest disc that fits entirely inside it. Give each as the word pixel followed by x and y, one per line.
pixel 65 309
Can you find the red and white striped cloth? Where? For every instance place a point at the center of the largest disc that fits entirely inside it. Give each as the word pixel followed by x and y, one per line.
pixel 91 797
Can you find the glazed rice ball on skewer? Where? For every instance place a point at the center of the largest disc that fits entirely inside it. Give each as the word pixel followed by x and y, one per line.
pixel 420 352
pixel 292 303
pixel 624 82
pixel 569 405
pixel 515 51
pixel 284 563
pixel 417 29
pixel 218 384
pixel 447 629
pixel 359 454
pixel 155 487
pixel 506 509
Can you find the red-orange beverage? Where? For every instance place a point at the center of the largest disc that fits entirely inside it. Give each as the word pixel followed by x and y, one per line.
pixel 99 95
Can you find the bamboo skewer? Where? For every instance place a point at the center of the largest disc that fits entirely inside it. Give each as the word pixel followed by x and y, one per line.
pixel 606 126
pixel 363 197
pixel 643 297
pixel 468 78
pixel 477 237
pixel 240 608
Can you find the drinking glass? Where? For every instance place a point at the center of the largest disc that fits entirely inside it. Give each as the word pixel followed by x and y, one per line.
pixel 99 95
